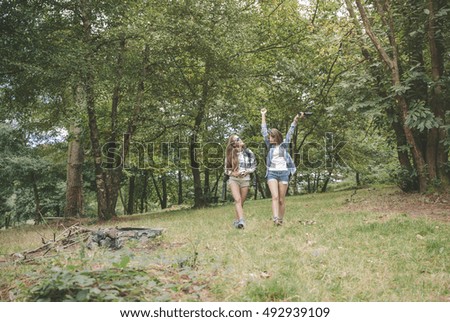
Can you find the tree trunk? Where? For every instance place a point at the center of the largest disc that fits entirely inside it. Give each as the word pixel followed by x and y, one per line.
pixel 180 187
pixel 131 190
pixel 297 156
pixel 37 201
pixel 316 181
pixel 437 155
pixel 326 181
pixel 408 182
pixel 393 64
pixel 215 188
pixel 103 212
pixel 164 191
pixel 419 160
pixel 199 199
pixel 7 223
pixel 255 184
pixel 206 186
pixel 112 166
pixel 294 184
pixel 123 202
pixel 224 189
pixel 100 181
pixel 144 192
pixel 75 159
pixel 158 193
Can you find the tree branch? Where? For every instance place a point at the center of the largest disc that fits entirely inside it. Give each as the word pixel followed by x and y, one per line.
pixel 383 10
pixel 377 43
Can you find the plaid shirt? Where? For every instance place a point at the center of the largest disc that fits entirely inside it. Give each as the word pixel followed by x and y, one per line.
pixel 283 148
pixel 247 162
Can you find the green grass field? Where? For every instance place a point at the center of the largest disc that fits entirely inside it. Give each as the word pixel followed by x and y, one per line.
pixel 373 246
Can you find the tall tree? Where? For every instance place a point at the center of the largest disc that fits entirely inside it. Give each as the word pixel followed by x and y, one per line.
pixel 74 178
pixel 204 56
pixel 414 118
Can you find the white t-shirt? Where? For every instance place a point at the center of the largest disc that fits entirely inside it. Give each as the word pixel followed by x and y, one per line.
pixel 278 162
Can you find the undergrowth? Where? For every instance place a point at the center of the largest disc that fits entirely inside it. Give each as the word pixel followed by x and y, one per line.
pixel 332 247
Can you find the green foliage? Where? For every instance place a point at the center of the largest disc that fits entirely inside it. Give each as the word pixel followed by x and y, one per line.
pixel 406 179
pixel 421 118
pixel 28 173
pixel 170 65
pixel 122 264
pixel 77 283
pixel 63 285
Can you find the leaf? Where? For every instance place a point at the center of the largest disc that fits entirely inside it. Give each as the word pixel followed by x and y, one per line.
pixel 83 295
pixel 442 12
pixel 400 89
pixel 420 117
pixel 83 280
pixel 124 261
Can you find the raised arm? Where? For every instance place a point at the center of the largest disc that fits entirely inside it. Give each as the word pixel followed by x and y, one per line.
pixel 264 131
pixel 293 125
pixel 263 116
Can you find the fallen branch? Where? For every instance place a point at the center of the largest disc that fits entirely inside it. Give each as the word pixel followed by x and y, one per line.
pixel 113 238
pixel 69 237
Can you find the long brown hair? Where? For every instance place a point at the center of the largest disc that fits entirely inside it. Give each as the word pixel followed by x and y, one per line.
pixel 276 135
pixel 232 162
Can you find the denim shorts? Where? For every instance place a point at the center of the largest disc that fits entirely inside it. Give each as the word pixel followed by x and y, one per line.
pixel 280 176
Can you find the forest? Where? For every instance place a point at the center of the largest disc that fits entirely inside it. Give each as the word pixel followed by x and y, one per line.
pixel 112 108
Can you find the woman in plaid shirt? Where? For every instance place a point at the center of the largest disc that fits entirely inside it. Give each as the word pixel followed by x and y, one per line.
pixel 280 165
pixel 239 163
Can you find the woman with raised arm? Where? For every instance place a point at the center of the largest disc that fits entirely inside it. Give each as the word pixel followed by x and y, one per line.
pixel 280 165
pixel 239 163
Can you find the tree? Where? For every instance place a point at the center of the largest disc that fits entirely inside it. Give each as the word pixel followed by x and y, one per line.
pixel 430 159
pixel 31 178
pixel 75 160
pixel 203 59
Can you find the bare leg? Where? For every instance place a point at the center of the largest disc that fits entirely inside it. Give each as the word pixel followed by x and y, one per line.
pixel 282 188
pixel 244 192
pixel 238 200
pixel 273 186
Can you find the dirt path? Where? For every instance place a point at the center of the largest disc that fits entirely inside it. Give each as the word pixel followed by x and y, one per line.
pixel 435 206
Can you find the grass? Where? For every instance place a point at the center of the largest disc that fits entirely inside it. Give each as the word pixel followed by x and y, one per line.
pixel 329 249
